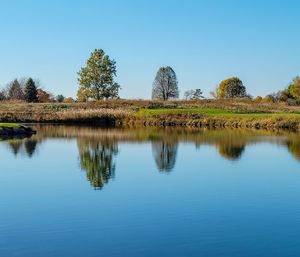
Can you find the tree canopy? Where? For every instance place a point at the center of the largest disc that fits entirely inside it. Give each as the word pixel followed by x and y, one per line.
pixel 165 85
pixel 294 88
pixel 96 79
pixel 30 91
pixel 231 88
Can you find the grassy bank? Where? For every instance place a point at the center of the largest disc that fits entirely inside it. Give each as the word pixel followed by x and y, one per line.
pixel 9 125
pixel 204 113
pixel 11 130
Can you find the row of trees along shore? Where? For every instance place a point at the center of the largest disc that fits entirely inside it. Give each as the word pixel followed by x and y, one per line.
pixel 29 90
pixel 97 82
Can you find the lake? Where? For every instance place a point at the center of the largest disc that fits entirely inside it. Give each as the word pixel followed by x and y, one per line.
pixel 85 191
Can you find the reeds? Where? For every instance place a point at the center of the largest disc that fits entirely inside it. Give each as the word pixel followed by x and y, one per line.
pixel 243 113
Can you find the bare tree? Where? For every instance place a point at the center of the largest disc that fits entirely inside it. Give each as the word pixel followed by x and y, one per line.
pixel 165 155
pixel 15 91
pixel 165 85
pixel 2 95
pixel 193 94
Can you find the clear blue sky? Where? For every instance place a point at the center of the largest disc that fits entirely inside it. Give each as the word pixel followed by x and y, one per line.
pixel 204 42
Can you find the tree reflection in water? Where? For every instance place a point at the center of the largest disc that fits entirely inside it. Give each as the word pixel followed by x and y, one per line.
pixel 98 147
pixel 15 146
pixel 97 160
pixel 164 154
pixel 294 148
pixel 27 146
pixel 30 147
pixel 231 152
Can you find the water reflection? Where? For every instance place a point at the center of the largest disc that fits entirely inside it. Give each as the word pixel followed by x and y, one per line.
pixel 15 146
pixel 231 152
pixel 294 148
pixel 97 160
pixel 26 147
pixel 164 155
pixel 30 147
pixel 98 148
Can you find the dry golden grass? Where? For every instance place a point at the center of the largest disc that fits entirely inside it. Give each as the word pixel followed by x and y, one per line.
pixel 201 113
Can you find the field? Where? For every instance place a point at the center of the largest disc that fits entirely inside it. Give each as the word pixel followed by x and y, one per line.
pixel 202 113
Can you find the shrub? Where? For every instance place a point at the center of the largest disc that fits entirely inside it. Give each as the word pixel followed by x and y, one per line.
pixel 43 96
pixel 258 99
pixel 69 100
pixel 193 94
pixel 60 98
pixel 269 99
pixel 291 101
pixel 294 88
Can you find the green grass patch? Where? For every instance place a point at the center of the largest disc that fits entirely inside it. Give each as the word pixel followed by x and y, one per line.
pixel 211 111
pixel 9 125
pixel 214 112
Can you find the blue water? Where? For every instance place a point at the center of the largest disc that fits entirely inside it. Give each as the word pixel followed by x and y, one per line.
pixel 159 194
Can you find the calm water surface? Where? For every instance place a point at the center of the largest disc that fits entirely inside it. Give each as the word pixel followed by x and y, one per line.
pixel 79 191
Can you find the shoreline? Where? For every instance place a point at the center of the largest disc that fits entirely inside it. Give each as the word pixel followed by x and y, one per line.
pixel 119 113
pixel 12 130
pixel 188 121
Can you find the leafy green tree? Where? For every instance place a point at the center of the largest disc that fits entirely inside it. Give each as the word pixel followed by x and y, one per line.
pixel 82 95
pixel 96 79
pixel 30 91
pixel 165 85
pixel 231 88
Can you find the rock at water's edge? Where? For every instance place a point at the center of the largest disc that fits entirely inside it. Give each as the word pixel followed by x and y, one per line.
pixel 22 130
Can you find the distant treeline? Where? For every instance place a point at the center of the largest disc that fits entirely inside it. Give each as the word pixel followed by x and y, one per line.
pixel 29 90
pixel 97 82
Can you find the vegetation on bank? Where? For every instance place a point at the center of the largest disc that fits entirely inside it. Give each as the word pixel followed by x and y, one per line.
pixel 197 113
